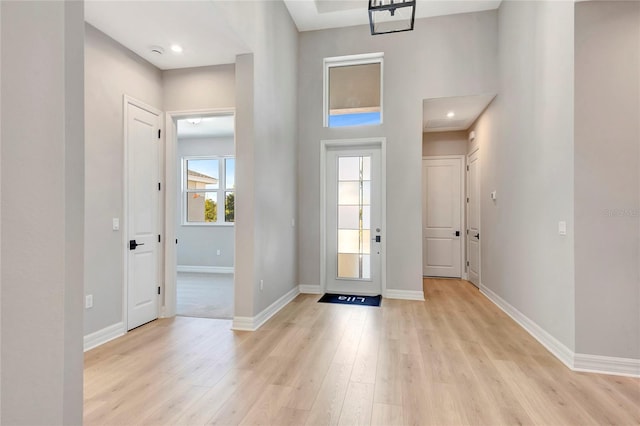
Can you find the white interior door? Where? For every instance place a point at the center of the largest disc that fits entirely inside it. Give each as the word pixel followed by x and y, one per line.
pixel 353 221
pixel 473 219
pixel 142 142
pixel 442 217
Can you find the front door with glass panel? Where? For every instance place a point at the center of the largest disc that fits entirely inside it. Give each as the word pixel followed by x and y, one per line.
pixel 353 221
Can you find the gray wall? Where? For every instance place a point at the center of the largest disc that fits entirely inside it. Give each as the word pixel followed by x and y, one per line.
pixel 444 143
pixel 607 180
pixel 111 72
pixel 266 123
pixel 198 244
pixel 199 88
pixel 526 155
pixel 42 212
pixel 445 56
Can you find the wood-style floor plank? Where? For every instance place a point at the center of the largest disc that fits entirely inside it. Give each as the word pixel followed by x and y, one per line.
pixel 455 359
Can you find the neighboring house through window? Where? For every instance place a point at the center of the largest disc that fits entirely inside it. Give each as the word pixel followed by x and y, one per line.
pixel 208 190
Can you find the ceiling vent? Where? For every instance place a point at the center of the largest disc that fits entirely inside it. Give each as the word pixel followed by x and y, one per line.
pixel 156 50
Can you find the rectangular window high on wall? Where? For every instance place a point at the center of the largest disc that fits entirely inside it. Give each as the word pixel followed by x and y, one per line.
pixel 208 190
pixel 353 90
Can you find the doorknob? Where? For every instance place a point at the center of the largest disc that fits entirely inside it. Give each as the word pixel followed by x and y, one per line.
pixel 133 244
pixel 457 234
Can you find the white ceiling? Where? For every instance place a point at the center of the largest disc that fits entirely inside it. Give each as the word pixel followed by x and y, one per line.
pixel 197 26
pixel 466 110
pixel 322 14
pixel 209 127
pixel 207 38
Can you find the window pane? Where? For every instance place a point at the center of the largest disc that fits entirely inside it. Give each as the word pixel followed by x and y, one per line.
pixel 348 266
pixel 202 206
pixel 366 217
pixel 348 168
pixel 365 242
pixel 366 193
pixel 229 206
pixel 348 241
pixel 230 173
pixel 366 267
pixel 203 174
pixel 354 95
pixel 349 193
pixel 366 168
pixel 348 217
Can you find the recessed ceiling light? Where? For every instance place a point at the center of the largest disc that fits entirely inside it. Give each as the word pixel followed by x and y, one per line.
pixel 176 48
pixel 451 114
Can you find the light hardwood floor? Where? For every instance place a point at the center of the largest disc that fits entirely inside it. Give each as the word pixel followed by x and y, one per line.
pixel 452 360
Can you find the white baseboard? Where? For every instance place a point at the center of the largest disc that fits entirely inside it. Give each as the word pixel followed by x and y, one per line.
pixel 607 365
pixel 404 294
pixel 103 336
pixel 310 289
pixel 254 323
pixel 575 361
pixel 553 345
pixel 205 269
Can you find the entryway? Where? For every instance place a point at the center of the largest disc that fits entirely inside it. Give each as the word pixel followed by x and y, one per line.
pixel 204 217
pixel 451 187
pixel 354 217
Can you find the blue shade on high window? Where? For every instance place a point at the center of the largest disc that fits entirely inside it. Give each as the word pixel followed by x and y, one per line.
pixel 357 119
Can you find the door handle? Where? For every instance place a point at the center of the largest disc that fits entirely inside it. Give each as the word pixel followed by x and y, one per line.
pixel 133 244
pixel 377 239
pixel 457 233
pixel 477 236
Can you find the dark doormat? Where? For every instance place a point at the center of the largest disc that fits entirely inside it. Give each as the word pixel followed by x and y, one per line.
pixel 349 299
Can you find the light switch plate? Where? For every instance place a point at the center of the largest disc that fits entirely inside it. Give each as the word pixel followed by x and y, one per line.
pixel 562 227
pixel 116 224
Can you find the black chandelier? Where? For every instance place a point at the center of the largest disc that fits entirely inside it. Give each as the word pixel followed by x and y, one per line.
pixel 391 16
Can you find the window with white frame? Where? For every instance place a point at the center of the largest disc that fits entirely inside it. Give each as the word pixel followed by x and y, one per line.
pixel 208 190
pixel 353 90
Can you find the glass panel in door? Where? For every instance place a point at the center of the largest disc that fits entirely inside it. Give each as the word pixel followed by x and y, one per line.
pixel 354 227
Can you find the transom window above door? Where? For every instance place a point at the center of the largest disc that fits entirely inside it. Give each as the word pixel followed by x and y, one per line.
pixel 353 90
pixel 208 190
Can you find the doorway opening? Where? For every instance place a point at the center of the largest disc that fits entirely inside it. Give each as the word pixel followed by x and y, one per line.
pixel 451 187
pixel 204 222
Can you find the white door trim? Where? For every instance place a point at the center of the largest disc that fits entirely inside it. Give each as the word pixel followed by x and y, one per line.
pixel 463 206
pixel 171 187
pixel 325 145
pixel 469 155
pixel 126 101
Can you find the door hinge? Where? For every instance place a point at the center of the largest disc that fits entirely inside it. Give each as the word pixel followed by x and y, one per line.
pixel 159 186
pixel 159 238
pixel 467 263
pixel 467 168
pixel 176 241
pixel 159 132
pixel 158 289
pixel 467 199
